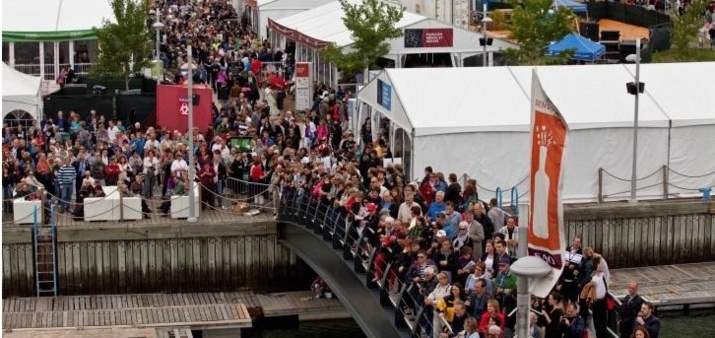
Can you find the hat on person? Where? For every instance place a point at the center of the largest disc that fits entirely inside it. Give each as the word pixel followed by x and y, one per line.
pixel 494 330
pixel 505 260
pixel 441 233
pixel 371 207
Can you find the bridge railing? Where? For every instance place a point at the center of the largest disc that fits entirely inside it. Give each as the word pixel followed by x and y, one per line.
pixel 372 252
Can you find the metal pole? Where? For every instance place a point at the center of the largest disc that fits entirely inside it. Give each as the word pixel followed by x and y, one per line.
pixel 485 22
pixel 158 37
pixel 635 122
pixel 523 297
pixel 192 169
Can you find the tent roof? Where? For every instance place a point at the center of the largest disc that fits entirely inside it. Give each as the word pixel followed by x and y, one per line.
pixel 586 50
pixel 497 98
pixel 681 91
pixel 46 19
pixel 15 83
pixel 291 4
pixel 325 23
pixel 577 7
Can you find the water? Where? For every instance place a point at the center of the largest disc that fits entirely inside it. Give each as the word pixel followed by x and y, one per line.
pixel 699 324
pixel 321 329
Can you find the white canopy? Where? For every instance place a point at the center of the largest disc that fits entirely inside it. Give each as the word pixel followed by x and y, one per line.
pixel 324 24
pixel 20 92
pixel 279 9
pixel 484 113
pixel 51 16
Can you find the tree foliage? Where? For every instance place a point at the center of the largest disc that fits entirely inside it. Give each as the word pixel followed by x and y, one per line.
pixel 686 26
pixel 534 24
pixel 371 23
pixel 125 46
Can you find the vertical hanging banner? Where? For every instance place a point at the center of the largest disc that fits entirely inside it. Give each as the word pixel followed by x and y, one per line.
pixel 303 86
pixel 549 134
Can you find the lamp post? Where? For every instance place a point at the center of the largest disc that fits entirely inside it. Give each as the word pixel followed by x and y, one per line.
pixel 635 89
pixel 157 26
pixel 485 22
pixel 190 103
pixel 524 268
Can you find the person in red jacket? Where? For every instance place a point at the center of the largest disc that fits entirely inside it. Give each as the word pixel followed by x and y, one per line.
pixel 492 310
pixel 111 171
pixel 257 176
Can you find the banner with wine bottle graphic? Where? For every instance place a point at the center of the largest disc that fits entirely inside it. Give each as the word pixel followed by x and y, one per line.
pixel 549 134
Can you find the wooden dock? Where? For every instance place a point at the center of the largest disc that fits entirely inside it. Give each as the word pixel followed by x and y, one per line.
pixel 303 304
pixel 670 286
pixel 209 310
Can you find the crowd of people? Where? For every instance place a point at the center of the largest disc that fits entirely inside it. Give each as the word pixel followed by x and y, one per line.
pixel 452 250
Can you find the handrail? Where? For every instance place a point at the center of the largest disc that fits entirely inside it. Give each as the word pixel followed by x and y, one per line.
pixel 499 197
pixel 515 200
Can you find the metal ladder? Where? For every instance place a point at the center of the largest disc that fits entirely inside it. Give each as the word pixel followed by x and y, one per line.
pixel 44 238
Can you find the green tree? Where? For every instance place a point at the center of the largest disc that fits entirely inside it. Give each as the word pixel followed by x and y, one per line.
pixel 125 46
pixel 685 27
pixel 534 24
pixel 371 23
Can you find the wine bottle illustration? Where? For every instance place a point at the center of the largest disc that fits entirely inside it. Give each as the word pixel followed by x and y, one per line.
pixel 542 184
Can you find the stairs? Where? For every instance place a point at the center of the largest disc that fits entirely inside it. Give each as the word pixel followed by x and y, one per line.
pixel 44 239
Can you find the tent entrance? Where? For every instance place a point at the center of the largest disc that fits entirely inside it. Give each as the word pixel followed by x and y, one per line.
pixel 18 118
pixel 428 60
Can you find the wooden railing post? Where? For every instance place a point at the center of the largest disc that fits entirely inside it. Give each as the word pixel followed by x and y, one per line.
pixel 665 182
pixel 600 185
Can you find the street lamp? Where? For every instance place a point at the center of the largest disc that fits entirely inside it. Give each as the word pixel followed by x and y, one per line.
pixel 190 103
pixel 158 26
pixel 635 89
pixel 485 41
pixel 524 268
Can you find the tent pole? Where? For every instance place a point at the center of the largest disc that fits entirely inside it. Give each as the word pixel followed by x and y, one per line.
pixel 11 51
pixel 42 60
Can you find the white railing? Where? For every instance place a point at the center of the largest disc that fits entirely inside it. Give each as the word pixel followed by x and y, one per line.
pixel 34 69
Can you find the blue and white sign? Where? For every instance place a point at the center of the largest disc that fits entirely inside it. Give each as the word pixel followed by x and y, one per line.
pixel 384 95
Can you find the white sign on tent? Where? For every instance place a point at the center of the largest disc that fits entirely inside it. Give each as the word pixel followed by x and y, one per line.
pixel 302 85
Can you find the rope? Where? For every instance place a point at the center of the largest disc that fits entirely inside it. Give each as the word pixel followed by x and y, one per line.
pixel 507 189
pixel 628 180
pixel 691 176
pixel 625 191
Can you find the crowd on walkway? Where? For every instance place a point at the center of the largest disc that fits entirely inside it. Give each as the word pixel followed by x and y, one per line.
pixel 452 250
pixel 69 155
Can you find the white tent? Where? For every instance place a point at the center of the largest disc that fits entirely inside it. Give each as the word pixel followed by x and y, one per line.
pixel 53 20
pixel 476 121
pixel 324 24
pixel 278 9
pixel 20 92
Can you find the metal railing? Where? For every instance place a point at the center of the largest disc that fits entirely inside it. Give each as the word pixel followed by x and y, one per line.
pixel 371 255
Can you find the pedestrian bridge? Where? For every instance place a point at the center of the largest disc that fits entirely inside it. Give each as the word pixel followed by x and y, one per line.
pixel 325 241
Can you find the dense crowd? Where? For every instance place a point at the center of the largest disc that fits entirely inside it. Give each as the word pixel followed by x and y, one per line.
pixel 452 250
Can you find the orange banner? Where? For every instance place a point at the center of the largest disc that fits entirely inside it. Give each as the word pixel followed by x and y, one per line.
pixel 549 134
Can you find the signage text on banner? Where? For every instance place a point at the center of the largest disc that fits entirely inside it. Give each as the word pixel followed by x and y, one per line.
pixel 549 134
pixel 384 95
pixel 429 37
pixel 302 86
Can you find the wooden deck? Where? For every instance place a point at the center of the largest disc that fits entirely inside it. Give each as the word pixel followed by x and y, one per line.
pixel 211 310
pixel 194 310
pixel 123 332
pixel 669 285
pixel 302 304
pixel 206 216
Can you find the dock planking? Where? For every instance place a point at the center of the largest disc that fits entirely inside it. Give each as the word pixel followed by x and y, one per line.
pixel 669 285
pixel 205 310
pixel 301 303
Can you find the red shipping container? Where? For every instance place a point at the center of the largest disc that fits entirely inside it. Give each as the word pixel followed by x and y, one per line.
pixel 172 107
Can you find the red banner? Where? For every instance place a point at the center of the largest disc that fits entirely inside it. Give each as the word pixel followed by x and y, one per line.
pixel 549 133
pixel 429 37
pixel 172 107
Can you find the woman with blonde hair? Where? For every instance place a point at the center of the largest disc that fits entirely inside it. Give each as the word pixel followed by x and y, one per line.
pixel 471 328
pixel 492 310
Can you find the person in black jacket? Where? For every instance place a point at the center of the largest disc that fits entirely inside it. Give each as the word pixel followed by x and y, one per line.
pixel 629 310
pixel 220 178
